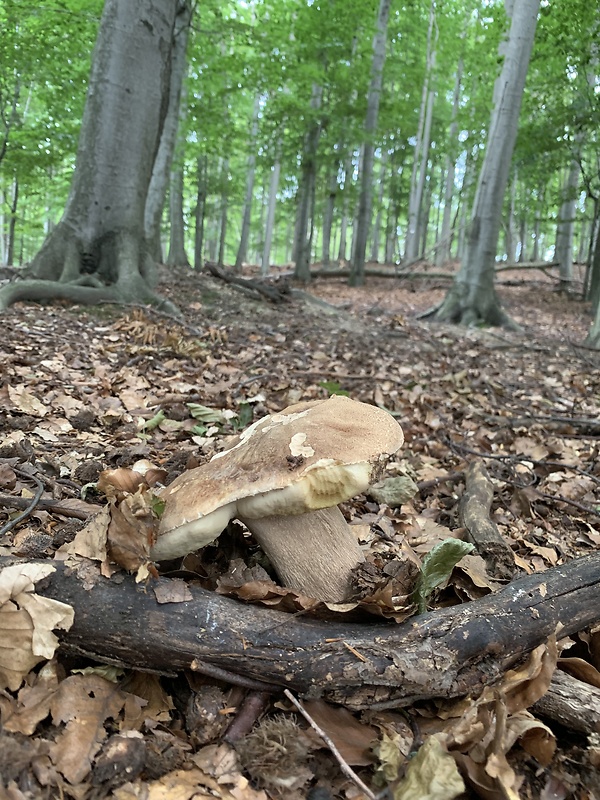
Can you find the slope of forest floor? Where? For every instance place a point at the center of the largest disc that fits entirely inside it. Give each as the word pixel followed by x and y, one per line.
pixel 89 389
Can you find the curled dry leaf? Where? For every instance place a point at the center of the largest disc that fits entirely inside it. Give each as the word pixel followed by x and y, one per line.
pixel 431 775
pixel 26 622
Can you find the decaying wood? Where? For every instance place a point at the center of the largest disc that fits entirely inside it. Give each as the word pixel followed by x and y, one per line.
pixel 451 652
pixel 268 290
pixel 482 531
pixel 572 703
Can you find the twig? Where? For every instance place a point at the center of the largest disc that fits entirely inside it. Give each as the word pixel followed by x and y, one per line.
pixel 47 504
pixel 250 710
pixel 346 769
pixel 30 506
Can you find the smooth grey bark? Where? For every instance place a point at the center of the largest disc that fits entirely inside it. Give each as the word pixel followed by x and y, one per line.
pixel 472 298
pixel 250 173
pixel 565 229
pixel 537 222
pixel 270 224
pixel 442 253
pixel 332 192
pixel 12 223
pixel 200 213
pixel 161 171
pixel 304 227
pixel 365 200
pixel 98 250
pixel 177 253
pixel 510 233
pixel 377 224
pixel 345 209
pixel 224 209
pixel 421 154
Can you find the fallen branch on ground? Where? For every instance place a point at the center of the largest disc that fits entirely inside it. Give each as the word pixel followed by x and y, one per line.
pixel 269 291
pixel 447 653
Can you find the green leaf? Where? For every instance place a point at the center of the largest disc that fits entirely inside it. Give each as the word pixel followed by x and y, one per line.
pixel 205 414
pixel 150 424
pixel 437 567
pixel 333 387
pixel 244 417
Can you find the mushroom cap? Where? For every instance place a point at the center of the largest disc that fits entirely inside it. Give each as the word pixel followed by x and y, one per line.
pixel 309 456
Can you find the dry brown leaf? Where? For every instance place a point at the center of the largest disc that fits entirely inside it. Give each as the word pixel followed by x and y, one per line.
pixel 175 590
pixel 352 738
pixel 131 531
pixel 580 669
pixel 27 621
pixel 431 775
pixel 83 703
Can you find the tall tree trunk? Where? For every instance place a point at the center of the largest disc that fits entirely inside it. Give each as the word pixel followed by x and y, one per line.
pixel 270 226
pixel 472 297
pixel 250 173
pixel 345 209
pixel 224 208
pixel 328 215
pixel 12 223
pixel 303 238
pixel 537 223
pixel 363 219
pixel 98 251
pixel 565 228
pixel 201 179
pixel 421 155
pixel 510 233
pixel 177 254
pixel 161 170
pixel 442 255
pixel 376 235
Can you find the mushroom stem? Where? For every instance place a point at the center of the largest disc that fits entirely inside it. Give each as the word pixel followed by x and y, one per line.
pixel 313 553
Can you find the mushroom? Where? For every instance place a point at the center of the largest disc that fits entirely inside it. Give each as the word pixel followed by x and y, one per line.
pixel 283 479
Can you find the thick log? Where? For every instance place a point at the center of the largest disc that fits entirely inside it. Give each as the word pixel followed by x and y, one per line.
pixel 446 653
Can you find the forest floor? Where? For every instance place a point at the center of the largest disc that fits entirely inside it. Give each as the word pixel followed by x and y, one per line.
pixel 89 389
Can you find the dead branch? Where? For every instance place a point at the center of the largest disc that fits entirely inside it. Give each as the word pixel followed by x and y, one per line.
pixel 481 529
pixel 271 292
pixel 447 653
pixel 572 703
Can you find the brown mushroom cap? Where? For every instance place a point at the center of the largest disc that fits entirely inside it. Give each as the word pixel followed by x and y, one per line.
pixel 309 456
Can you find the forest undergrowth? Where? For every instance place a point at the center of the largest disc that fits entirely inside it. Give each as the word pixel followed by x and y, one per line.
pixel 85 390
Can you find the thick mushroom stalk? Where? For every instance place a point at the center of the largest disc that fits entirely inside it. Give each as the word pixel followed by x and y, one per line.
pixel 313 553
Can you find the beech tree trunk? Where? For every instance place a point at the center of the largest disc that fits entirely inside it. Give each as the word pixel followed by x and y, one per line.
pixel 157 191
pixel 472 298
pixel 345 206
pixel 250 172
pixel 377 224
pixel 224 209
pixel 177 254
pixel 442 253
pixel 98 251
pixel 201 178
pixel 365 200
pixel 421 155
pixel 306 192
pixel 328 215
pixel 270 224
pixel 566 226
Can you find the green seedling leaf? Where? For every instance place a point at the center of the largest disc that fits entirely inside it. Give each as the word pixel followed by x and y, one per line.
pixel 333 387
pixel 205 414
pixel 244 417
pixel 199 430
pixel 158 505
pixel 436 569
pixel 150 424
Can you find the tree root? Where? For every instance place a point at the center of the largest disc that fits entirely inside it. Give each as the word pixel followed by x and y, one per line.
pixel 87 295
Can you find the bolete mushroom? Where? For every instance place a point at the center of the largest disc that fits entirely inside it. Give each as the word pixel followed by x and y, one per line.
pixel 283 479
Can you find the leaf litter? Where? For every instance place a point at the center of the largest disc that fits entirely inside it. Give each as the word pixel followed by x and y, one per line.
pixel 89 394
